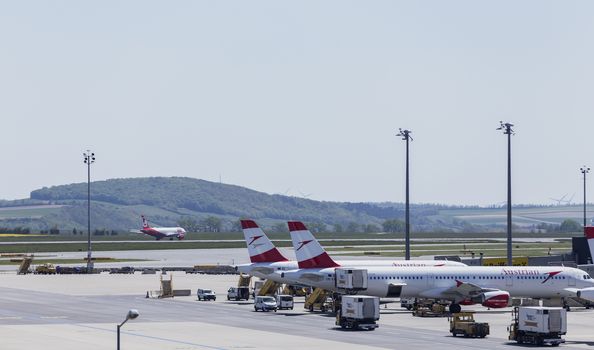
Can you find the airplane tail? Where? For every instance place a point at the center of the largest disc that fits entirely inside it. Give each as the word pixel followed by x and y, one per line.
pixel 309 252
pixel 144 222
pixel 259 246
pixel 589 233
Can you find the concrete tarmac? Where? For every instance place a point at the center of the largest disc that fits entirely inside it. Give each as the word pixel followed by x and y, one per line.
pixel 81 312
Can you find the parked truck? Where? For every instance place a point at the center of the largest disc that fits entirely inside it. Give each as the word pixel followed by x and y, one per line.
pixel 358 312
pixel 538 325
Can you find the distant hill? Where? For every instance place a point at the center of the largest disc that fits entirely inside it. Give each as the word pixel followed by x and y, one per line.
pixel 118 203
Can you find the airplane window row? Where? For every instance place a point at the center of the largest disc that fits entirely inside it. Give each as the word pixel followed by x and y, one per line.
pixel 396 277
pixel 473 277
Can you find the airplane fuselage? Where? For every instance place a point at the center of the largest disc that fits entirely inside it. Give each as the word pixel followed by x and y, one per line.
pixel 441 282
pixel 272 270
pixel 164 232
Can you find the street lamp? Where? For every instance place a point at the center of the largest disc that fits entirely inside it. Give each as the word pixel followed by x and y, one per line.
pixel 584 171
pixel 89 158
pixel 132 314
pixel 507 130
pixel 405 134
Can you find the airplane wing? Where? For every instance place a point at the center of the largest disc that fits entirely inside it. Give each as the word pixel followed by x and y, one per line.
pixel 135 231
pixel 263 270
pixel 461 291
pixel 313 277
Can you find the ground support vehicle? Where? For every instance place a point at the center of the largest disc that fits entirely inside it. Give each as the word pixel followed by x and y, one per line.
pixel 317 300
pixel 430 310
pixel 284 302
pixel 463 323
pixel 238 293
pixel 45 269
pixel 407 303
pixel 538 325
pixel 358 312
pixel 265 303
pixel 206 294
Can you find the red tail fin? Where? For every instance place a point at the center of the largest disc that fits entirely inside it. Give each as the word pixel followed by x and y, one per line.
pixel 144 222
pixel 260 248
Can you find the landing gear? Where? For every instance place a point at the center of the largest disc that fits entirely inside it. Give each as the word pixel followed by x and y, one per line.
pixel 455 308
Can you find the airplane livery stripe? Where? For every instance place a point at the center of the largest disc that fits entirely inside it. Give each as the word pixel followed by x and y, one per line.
pixel 272 255
pixel 245 224
pixel 321 261
pixel 589 232
pixel 296 226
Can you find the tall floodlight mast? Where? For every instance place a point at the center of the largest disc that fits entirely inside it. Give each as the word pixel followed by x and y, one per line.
pixel 507 130
pixel 405 134
pixel 584 171
pixel 89 158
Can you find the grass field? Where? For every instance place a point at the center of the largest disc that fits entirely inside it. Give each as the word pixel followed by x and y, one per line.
pixel 68 261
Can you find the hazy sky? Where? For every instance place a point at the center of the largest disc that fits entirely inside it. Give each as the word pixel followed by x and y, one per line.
pixel 301 97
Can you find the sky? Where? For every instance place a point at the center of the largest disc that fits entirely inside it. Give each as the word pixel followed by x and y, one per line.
pixel 303 98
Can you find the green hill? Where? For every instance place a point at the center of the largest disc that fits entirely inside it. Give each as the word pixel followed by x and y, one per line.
pixel 118 203
pixel 202 205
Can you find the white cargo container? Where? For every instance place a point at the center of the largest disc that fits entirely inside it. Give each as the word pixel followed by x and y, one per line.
pixel 543 319
pixel 538 325
pixel 351 279
pixel 358 311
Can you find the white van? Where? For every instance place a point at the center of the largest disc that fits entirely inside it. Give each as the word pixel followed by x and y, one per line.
pixel 265 303
pixel 284 302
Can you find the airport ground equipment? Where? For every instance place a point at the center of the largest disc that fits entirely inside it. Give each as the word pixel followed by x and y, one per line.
pixel 284 302
pixel 265 303
pixel 206 294
pixel 244 280
pixel 298 291
pixel 45 269
pixel 429 308
pixel 463 323
pixel 269 287
pixel 166 287
pixel 25 264
pixel 538 325
pixel 238 293
pixel 358 312
pixel 350 281
pixel 317 300
pixel 407 303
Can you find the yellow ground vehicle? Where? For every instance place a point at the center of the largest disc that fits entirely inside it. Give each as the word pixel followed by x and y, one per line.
pixel 317 300
pixel 430 310
pixel 45 269
pixel 463 323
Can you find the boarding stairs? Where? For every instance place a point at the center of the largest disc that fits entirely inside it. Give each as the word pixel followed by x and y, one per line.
pixel 269 287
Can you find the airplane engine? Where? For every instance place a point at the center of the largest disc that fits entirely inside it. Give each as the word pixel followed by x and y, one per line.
pixel 586 293
pixel 496 299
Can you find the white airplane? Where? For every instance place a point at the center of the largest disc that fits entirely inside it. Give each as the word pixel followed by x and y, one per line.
pixel 266 259
pixel 462 285
pixel 161 232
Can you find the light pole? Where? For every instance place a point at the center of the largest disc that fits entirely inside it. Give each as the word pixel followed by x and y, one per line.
pixel 405 134
pixel 89 159
pixel 132 314
pixel 507 130
pixel 584 171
